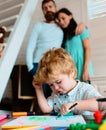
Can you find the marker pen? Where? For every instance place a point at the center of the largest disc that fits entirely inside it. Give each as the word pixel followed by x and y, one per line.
pixel 101 99
pixel 17 114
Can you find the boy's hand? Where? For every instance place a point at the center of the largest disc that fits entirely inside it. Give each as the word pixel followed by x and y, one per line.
pixel 36 84
pixel 65 108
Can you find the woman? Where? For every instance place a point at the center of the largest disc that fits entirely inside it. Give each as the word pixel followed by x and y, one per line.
pixel 77 45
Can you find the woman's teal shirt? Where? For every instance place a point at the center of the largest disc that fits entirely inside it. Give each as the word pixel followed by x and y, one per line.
pixel 75 47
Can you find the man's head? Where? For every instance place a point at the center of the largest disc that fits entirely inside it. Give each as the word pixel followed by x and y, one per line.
pixel 54 62
pixel 49 10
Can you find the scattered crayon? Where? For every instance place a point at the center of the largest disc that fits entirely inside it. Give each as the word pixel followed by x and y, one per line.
pixel 18 114
pixel 4 116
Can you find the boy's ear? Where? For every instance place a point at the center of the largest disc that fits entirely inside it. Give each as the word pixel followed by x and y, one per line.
pixel 72 73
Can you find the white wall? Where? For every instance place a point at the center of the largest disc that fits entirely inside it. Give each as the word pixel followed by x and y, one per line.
pixel 97 28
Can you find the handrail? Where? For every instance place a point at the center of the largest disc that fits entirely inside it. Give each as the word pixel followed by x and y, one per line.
pixel 14 44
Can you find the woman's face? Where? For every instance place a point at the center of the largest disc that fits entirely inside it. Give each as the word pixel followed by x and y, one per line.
pixel 64 20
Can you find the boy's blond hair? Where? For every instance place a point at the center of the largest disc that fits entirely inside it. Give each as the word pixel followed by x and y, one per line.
pixel 55 61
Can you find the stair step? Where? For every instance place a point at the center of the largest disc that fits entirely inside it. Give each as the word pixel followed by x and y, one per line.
pixel 6 40
pixel 9 3
pixel 7 34
pixel 10 12
pixel 10 28
pixel 2 1
pixel 8 21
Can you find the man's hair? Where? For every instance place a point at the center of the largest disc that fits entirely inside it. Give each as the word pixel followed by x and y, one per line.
pixel 54 62
pixel 46 1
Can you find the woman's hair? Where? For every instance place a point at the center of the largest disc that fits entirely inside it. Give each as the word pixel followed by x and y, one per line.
pixel 55 61
pixel 69 32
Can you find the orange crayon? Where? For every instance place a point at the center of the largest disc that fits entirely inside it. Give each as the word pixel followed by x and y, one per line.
pixel 18 114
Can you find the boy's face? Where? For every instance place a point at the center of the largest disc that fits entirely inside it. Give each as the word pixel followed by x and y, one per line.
pixel 62 83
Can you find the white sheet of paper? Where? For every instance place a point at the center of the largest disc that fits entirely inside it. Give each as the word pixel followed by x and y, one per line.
pixel 63 121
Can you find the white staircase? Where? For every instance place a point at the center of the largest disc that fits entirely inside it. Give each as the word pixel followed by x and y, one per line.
pixel 9 13
pixel 16 16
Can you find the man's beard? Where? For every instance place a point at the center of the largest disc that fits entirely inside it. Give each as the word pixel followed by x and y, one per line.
pixel 50 16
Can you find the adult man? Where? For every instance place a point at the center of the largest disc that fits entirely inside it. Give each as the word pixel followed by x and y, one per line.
pixel 45 35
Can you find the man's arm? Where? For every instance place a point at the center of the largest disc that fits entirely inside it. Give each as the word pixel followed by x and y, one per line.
pixel 31 47
pixel 80 28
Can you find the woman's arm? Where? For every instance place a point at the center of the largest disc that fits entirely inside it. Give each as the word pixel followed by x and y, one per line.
pixel 87 52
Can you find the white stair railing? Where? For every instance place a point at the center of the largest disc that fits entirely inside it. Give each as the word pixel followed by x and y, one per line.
pixel 14 43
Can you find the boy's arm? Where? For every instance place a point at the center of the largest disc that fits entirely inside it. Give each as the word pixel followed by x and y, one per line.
pixel 42 101
pixel 87 105
pixel 82 105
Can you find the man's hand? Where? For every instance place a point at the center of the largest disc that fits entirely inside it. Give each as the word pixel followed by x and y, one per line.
pixel 80 28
